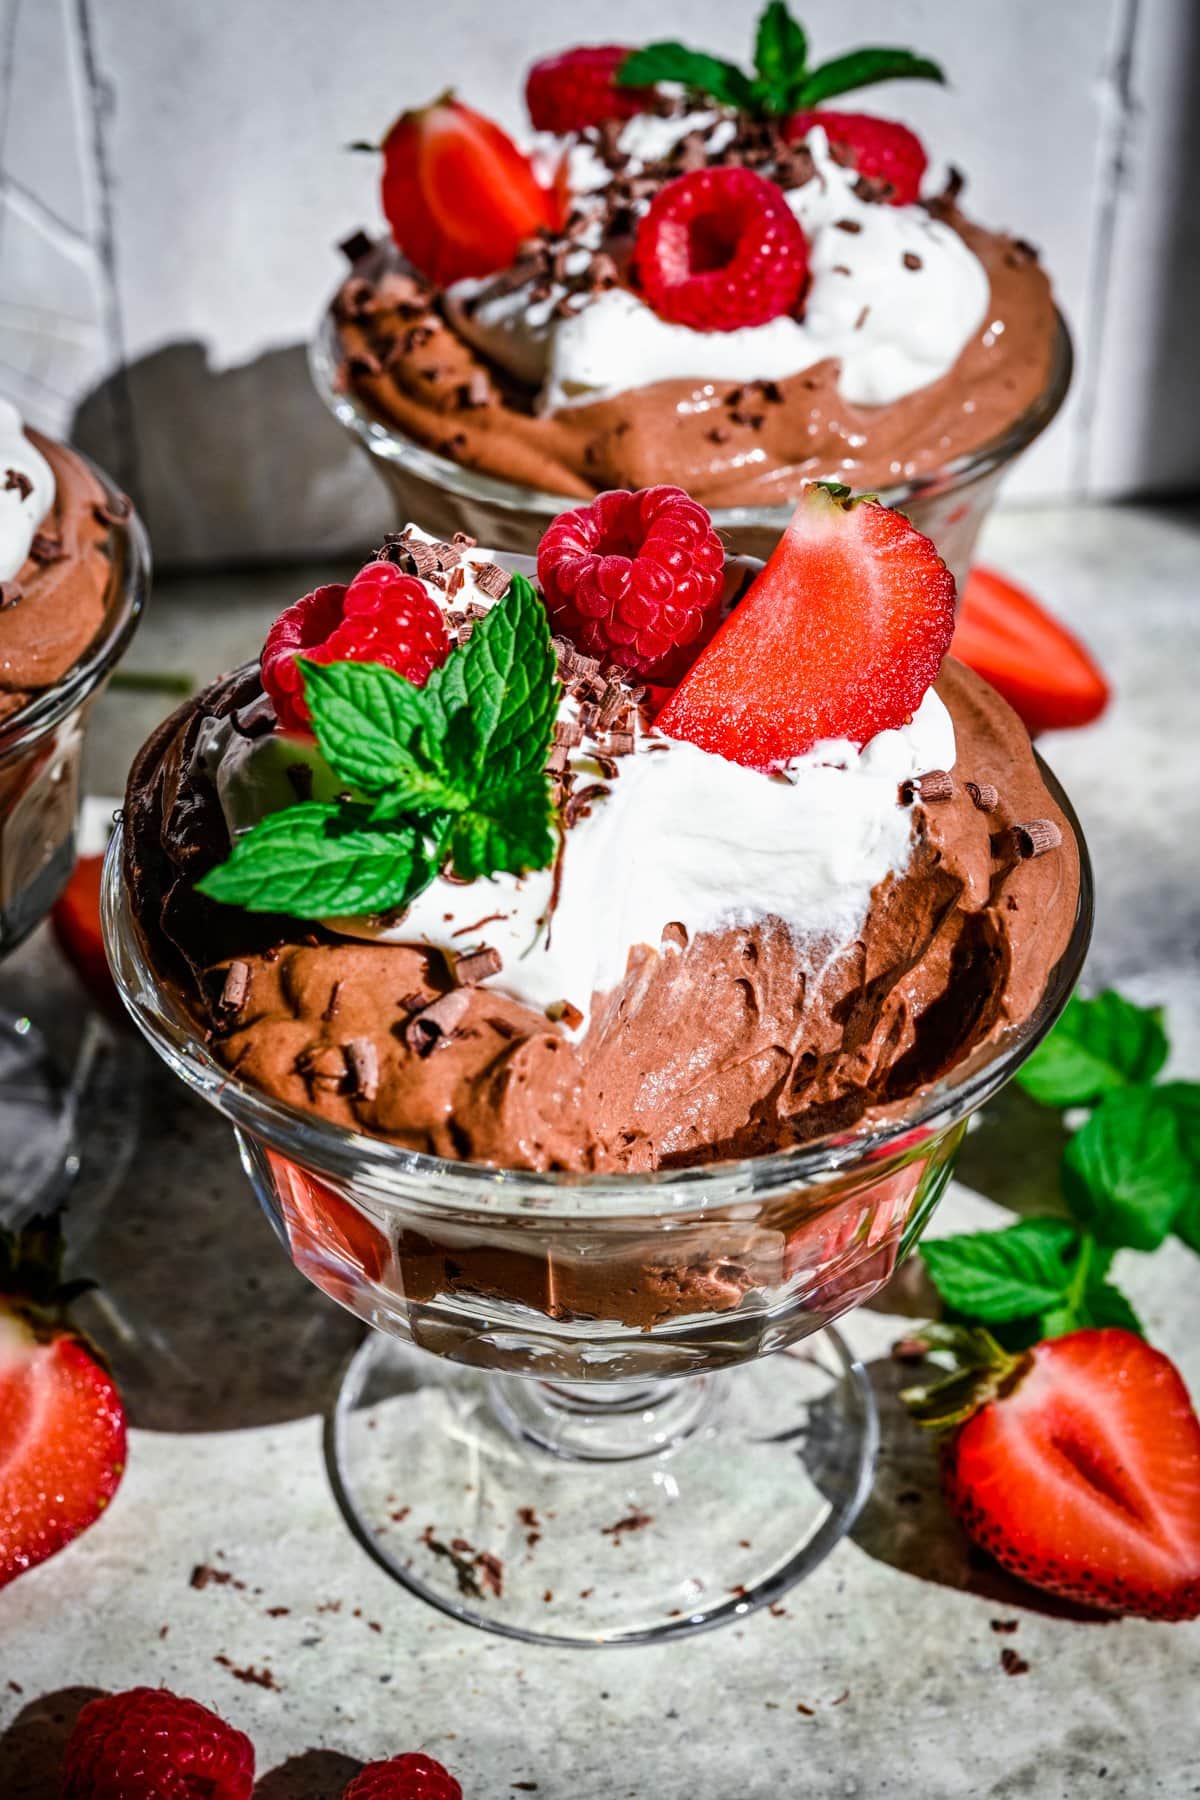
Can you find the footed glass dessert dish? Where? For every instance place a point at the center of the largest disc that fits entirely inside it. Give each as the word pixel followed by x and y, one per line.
pixel 595 1409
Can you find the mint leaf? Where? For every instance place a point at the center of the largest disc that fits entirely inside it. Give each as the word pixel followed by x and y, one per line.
pixel 1001 1275
pixel 505 830
pixel 1097 1046
pixel 507 676
pixel 863 68
pixel 780 52
pixel 1126 1173
pixel 671 61
pixel 1183 1097
pixel 367 720
pixel 317 861
pixel 1103 1304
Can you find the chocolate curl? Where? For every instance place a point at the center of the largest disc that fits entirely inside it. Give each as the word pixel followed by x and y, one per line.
pixel 470 970
pixel 427 1028
pixel 362 1066
pixel 47 547
pixel 1034 837
pixel 983 796
pixel 236 988
pixel 935 786
pixel 491 580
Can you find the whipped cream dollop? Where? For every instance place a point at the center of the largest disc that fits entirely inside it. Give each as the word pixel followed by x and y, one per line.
pixel 26 491
pixel 895 296
pixel 682 837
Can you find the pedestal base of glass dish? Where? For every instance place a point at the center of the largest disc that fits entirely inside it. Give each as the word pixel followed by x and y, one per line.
pixel 597 1514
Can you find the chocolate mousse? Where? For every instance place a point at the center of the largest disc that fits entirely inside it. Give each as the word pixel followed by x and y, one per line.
pixel 656 953
pixel 595 355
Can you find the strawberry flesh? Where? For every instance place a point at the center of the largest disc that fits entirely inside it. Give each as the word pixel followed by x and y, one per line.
pixel 1044 673
pixel 1084 1479
pixel 459 195
pixel 62 1443
pixel 840 636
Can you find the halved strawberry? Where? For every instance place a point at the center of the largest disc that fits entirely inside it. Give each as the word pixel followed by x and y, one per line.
pixel 75 921
pixel 62 1424
pixel 1079 1470
pixel 840 636
pixel 1043 672
pixel 458 194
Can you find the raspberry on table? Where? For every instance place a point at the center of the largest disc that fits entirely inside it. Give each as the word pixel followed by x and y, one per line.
pixel 150 1744
pixel 720 249
pixel 409 1777
pixel 635 578
pixel 384 616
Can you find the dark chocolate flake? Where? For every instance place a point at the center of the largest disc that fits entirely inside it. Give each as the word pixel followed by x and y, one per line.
pixel 426 1029
pixel 983 796
pixel 356 246
pixel 362 1066
pixel 236 987
pixel 18 479
pixel 491 579
pixel 935 786
pixel 47 547
pixel 1034 837
pixel 478 966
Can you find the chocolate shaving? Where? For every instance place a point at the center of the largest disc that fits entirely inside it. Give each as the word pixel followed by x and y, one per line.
pixel 983 796
pixel 558 761
pixel 612 702
pixel 470 970
pixel 356 246
pixel 17 478
pixel 567 731
pixel 10 594
pixel 911 260
pixel 619 743
pixel 1034 837
pixel 236 986
pixel 47 547
pixel 456 584
pixel 331 1007
pixel 448 555
pixel 475 392
pixel 114 511
pixel 491 579
pixel 362 1066
pixel 935 786
pixel 427 1028
pixel 851 225
pixel 580 803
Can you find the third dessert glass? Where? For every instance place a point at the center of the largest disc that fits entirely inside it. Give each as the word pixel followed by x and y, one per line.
pixel 622 1240
pixel 697 279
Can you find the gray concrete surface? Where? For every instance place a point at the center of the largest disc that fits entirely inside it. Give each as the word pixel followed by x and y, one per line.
pixel 881 1675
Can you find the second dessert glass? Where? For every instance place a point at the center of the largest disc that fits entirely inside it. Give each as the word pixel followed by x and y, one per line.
pixel 949 506
pixel 606 1409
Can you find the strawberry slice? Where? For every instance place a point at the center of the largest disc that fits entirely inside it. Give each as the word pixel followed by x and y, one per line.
pixel 1080 1472
pixel 458 194
pixel 62 1424
pixel 840 636
pixel 75 921
pixel 1043 672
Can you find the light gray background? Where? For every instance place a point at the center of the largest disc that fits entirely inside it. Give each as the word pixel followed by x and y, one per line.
pixel 173 178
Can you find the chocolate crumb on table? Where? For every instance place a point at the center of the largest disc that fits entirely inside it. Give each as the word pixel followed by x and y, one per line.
pixel 1011 1663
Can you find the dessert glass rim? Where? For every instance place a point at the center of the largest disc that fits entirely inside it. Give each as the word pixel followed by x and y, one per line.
pixel 465 1187
pixel 125 601
pixel 387 441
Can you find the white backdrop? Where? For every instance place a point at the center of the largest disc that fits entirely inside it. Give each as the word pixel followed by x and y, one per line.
pixel 173 179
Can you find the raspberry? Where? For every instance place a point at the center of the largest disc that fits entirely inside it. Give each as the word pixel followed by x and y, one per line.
pixel 720 249
pixel 577 88
pixel 411 1777
pixel 635 579
pixel 882 149
pixel 149 1744
pixel 384 616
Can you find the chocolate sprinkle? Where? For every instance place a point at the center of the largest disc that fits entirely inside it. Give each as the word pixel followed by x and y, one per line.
pixel 470 970
pixel 1035 836
pixel 426 1029
pixel 983 796
pixel 17 478
pixel 362 1065
pixel 237 986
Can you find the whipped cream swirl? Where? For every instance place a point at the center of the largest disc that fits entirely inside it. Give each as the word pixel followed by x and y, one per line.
pixel 26 491
pixel 895 297
pixel 682 837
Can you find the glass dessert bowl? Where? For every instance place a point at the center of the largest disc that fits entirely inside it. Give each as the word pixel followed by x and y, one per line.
pixel 87 570
pixel 949 505
pixel 602 1402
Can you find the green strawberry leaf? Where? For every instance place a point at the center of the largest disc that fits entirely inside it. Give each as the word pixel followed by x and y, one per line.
pixel 671 61
pixel 863 68
pixel 1097 1046
pixel 997 1276
pixel 315 861
pixel 1126 1173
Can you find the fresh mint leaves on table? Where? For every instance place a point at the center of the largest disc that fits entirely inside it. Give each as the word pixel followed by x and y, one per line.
pixel 454 772
pixel 782 82
pixel 1130 1176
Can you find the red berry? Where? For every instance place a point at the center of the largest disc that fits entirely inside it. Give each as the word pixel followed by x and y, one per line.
pixel 1083 1476
pixel 840 636
pixel 578 88
pixel 635 578
pixel 458 194
pixel 411 1777
pixel 149 1744
pixel 1043 672
pixel 384 616
pixel 720 249
pixel 75 921
pixel 882 149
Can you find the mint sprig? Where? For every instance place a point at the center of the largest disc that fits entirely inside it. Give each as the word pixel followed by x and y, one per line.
pixel 1130 1175
pixel 782 82
pixel 452 772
